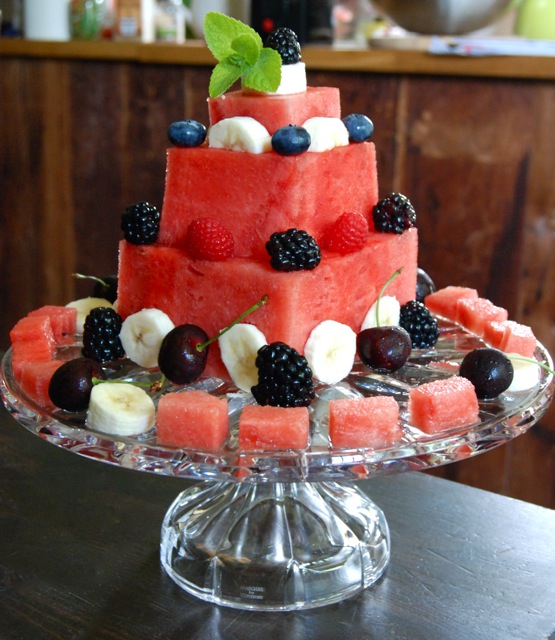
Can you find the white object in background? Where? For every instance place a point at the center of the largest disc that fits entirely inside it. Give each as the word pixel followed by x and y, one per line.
pixel 46 19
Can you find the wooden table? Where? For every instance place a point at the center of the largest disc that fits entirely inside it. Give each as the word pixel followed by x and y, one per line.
pixel 79 559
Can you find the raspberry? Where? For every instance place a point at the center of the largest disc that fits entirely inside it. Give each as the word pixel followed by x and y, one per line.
pixel 285 42
pixel 208 239
pixel 293 250
pixel 284 377
pixel 420 324
pixel 140 223
pixel 394 214
pixel 348 234
pixel 101 340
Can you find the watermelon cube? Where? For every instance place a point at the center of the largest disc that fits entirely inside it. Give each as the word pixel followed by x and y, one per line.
pixel 63 320
pixel 474 314
pixel 213 294
pixel 32 328
pixel 32 341
pixel 273 428
pixel 192 420
pixel 511 337
pixel 444 302
pixel 277 111
pixel 264 193
pixel 34 380
pixel 443 404
pixel 364 422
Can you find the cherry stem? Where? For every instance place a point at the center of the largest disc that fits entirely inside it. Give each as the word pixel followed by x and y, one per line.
pixel 80 276
pixel 389 281
pixel 254 307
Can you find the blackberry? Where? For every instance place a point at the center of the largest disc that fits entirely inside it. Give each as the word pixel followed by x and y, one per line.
pixel 284 377
pixel 293 250
pixel 101 340
pixel 285 42
pixel 420 324
pixel 140 223
pixel 394 214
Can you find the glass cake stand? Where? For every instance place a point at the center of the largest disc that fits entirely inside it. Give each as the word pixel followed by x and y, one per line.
pixel 288 530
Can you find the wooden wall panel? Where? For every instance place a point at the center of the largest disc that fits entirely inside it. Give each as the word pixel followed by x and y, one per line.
pixel 81 140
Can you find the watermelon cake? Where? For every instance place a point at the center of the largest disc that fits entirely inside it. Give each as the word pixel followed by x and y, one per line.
pixel 275 268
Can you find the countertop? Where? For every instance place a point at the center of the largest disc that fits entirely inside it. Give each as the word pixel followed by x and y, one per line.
pixel 393 61
pixel 79 559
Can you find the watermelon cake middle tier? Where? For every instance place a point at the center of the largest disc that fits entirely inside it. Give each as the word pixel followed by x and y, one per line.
pixel 253 195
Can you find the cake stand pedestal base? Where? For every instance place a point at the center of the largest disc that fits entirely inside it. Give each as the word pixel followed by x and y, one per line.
pixel 274 546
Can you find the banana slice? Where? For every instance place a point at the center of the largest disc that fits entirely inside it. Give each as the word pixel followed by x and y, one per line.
pixel 84 306
pixel 141 336
pixel 326 133
pixel 120 409
pixel 238 348
pixel 526 374
pixel 293 80
pixel 390 313
pixel 330 351
pixel 240 133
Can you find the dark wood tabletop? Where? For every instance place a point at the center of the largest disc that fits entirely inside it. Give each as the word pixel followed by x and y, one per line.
pixel 80 543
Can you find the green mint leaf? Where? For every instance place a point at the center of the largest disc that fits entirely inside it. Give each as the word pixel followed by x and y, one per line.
pixel 265 75
pixel 224 74
pixel 220 31
pixel 246 47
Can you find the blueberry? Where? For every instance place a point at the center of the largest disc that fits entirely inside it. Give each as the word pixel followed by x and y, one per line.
pixel 490 371
pixel 359 126
pixel 290 140
pixel 187 133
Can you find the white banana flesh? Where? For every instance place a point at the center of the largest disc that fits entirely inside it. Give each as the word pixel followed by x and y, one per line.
pixel 293 80
pixel 141 336
pixel 240 133
pixel 84 306
pixel 326 133
pixel 120 409
pixel 389 310
pixel 239 347
pixel 330 351
pixel 526 374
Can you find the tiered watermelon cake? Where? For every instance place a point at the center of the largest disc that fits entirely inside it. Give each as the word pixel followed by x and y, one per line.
pixel 253 195
pixel 274 265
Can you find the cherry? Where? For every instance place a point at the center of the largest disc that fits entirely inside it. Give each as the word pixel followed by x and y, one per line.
pixel 424 285
pixel 183 353
pixel 184 350
pixel 490 371
pixel 384 349
pixel 70 386
pixel 106 287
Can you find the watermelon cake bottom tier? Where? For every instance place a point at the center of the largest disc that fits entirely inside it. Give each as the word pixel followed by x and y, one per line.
pixel 213 294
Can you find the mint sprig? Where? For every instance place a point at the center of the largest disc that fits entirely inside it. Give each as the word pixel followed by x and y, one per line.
pixel 240 52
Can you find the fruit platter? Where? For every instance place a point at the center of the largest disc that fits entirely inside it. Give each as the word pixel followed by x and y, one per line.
pixel 273 338
pixel 287 529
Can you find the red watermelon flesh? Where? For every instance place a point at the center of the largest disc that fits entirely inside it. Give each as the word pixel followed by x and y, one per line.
pixel 213 294
pixel 34 380
pixel 364 422
pixel 32 340
pixel 444 302
pixel 273 428
pixel 254 195
pixel 62 318
pixel 32 328
pixel 474 314
pixel 511 337
pixel 443 404
pixel 275 112
pixel 192 419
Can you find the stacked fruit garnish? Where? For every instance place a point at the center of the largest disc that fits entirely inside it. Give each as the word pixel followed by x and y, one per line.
pixel 384 347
